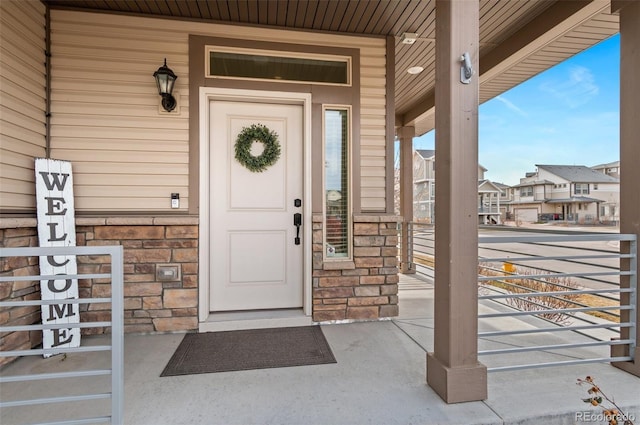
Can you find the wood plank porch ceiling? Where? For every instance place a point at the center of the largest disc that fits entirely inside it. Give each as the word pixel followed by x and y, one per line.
pixel 518 38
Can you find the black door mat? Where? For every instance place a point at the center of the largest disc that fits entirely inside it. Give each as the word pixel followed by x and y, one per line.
pixel 249 349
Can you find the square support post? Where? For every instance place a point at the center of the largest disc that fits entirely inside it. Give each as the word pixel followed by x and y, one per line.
pixel 405 136
pixel 629 153
pixel 453 370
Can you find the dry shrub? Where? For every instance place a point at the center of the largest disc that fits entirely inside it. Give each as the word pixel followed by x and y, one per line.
pixel 547 283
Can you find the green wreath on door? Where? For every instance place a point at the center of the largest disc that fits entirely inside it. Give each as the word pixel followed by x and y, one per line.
pixel 257 133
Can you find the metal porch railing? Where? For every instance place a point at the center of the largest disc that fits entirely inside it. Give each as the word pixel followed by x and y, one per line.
pixel 421 248
pixel 556 298
pixel 557 290
pixel 115 276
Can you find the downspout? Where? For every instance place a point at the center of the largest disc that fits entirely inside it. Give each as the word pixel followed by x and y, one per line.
pixel 47 65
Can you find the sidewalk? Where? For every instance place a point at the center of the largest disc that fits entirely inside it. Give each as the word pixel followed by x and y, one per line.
pixel 379 378
pixel 560 226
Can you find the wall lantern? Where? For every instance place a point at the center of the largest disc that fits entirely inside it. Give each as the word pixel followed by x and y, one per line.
pixel 165 79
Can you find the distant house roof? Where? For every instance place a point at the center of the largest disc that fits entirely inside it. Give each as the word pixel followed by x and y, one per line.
pixel 578 174
pixel 607 165
pixel 501 185
pixel 487 184
pixel 534 183
pixel 426 153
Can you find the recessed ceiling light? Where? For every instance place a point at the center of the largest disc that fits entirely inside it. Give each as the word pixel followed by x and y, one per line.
pixel 415 70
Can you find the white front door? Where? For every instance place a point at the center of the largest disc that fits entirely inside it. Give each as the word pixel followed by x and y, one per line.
pixel 255 262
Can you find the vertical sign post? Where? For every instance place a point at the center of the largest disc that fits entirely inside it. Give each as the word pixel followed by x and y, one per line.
pixel 56 227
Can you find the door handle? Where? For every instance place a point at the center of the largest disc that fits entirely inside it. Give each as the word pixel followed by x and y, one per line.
pixel 297 221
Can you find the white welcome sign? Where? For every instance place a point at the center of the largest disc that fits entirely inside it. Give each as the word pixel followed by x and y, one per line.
pixel 56 227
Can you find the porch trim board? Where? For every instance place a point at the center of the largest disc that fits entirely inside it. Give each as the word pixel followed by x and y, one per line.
pixel 206 95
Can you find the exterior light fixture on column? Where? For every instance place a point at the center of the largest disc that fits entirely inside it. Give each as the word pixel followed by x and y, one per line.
pixel 165 79
pixel 409 37
pixel 466 70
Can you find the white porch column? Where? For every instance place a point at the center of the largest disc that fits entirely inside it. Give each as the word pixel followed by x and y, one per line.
pixel 629 153
pixel 405 136
pixel 453 370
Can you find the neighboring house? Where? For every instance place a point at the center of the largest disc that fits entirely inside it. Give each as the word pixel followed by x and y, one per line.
pixel 573 193
pixel 490 194
pixel 611 169
pixel 489 210
pixel 424 185
pixel 506 196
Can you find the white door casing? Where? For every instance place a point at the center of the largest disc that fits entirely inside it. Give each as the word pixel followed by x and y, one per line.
pixel 253 262
pixel 206 101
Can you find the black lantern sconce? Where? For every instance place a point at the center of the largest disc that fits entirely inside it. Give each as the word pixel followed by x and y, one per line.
pixel 165 79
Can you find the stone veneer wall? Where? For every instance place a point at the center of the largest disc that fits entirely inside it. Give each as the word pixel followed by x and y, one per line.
pixel 22 233
pixel 150 305
pixel 365 287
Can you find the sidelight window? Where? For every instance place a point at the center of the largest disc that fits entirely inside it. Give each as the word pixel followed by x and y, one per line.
pixel 337 193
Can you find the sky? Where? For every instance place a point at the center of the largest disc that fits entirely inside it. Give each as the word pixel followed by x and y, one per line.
pixel 567 115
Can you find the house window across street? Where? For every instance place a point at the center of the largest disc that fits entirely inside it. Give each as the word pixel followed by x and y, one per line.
pixel 526 191
pixel 336 183
pixel 581 189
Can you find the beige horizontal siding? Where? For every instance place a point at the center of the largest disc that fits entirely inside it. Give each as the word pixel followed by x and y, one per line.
pixel 22 187
pixel 166 158
pixel 106 167
pixel 127 154
pixel 373 129
pixel 22 101
pixel 126 190
pixel 124 202
pixel 121 145
pixel 97 179
pixel 17 159
pixel 105 106
pixel 16 201
pixel 87 133
pixel 17 173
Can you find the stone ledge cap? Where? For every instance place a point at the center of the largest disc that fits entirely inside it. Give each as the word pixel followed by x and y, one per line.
pixel 177 221
pixel 368 218
pixel 135 221
pixel 391 219
pixel 17 222
pixel 91 221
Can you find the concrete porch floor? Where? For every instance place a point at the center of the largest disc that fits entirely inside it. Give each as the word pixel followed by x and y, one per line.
pixel 379 378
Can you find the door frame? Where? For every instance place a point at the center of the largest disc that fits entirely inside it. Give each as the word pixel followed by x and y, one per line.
pixel 208 94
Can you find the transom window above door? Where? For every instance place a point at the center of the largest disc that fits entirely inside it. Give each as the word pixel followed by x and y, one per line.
pixel 273 65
